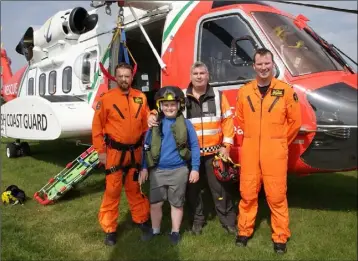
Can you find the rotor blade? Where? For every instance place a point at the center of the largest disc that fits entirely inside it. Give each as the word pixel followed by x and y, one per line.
pixel 331 8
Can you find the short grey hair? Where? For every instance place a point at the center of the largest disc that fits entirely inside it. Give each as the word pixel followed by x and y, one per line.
pixel 198 64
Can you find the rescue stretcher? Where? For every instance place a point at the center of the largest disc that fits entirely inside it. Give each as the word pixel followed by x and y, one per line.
pixel 74 173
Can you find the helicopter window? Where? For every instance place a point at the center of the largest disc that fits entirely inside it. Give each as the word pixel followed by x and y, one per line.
pixel 298 50
pixel 217 35
pixel 67 79
pixel 52 82
pixel 42 84
pixel 87 60
pixel 86 69
pixel 30 87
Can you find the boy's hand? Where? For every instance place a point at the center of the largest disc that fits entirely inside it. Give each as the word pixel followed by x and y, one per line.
pixel 143 176
pixel 193 176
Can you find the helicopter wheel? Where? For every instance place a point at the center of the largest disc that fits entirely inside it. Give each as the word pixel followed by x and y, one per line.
pixel 11 150
pixel 17 149
pixel 25 149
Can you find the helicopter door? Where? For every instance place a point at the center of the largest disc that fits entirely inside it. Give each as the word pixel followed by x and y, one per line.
pixel 31 82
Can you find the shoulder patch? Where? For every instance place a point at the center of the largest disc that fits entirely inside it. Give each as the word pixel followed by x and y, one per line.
pixel 138 100
pixel 277 92
pixel 295 97
pixel 99 105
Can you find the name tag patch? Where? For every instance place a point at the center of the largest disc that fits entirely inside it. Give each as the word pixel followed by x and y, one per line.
pixel 138 100
pixel 277 92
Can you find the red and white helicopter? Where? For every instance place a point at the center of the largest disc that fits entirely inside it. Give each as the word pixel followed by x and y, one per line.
pixel 54 95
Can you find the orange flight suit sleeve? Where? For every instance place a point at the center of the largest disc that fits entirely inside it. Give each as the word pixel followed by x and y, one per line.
pixel 227 122
pixel 98 124
pixel 239 111
pixel 293 116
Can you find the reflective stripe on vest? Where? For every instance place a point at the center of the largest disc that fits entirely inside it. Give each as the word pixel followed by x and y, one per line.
pixel 209 128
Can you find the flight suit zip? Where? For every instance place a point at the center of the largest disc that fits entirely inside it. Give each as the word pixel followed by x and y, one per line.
pixel 261 99
pixel 140 106
pixel 129 110
pixel 250 103
pixel 273 104
pixel 118 110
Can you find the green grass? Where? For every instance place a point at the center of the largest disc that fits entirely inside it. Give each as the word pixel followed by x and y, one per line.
pixel 323 215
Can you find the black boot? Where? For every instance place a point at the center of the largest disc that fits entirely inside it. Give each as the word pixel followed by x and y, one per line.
pixel 241 241
pixel 145 226
pixel 196 229
pixel 231 229
pixel 279 248
pixel 110 239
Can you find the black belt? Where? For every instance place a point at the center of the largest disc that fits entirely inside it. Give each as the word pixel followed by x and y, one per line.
pixel 124 148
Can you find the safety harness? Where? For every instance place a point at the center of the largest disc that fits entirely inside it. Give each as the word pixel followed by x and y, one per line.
pixel 123 148
pixel 153 143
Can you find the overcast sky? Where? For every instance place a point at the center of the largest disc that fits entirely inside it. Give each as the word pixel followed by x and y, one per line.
pixel 336 27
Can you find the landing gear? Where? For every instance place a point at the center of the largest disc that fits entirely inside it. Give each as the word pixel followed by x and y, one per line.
pixel 17 149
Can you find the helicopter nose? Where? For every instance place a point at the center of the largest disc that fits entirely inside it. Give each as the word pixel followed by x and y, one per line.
pixel 334 146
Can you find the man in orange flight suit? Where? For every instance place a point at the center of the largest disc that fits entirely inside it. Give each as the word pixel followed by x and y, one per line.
pixel 119 123
pixel 268 112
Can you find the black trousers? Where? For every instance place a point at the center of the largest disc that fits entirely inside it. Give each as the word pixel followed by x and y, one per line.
pixel 220 193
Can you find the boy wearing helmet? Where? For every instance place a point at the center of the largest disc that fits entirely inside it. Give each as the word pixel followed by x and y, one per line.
pixel 170 150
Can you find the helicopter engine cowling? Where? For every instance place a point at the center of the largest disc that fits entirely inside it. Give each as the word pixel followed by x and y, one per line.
pixel 66 25
pixel 69 24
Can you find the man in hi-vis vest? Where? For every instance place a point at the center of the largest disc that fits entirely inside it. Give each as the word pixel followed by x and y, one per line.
pixel 210 113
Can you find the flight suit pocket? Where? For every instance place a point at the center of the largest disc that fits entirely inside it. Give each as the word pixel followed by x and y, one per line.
pixel 277 130
pixel 280 150
pixel 276 111
pixel 248 187
pixel 275 188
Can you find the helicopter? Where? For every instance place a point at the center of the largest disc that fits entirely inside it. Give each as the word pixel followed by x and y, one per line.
pixel 71 60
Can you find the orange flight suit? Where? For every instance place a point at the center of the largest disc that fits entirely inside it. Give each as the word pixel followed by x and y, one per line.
pixel 269 124
pixel 124 119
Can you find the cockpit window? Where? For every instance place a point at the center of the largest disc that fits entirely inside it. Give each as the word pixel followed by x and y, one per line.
pixel 299 51
pixel 216 37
